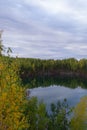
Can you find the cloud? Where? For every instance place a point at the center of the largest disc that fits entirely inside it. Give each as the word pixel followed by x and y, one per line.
pixel 45 28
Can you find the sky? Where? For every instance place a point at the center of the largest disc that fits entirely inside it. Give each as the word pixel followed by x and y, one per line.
pixel 46 29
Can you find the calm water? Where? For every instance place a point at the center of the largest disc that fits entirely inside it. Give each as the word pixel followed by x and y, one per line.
pixel 50 90
pixel 54 93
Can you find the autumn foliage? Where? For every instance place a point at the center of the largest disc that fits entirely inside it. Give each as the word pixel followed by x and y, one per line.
pixel 12 98
pixel 79 120
pixel 19 113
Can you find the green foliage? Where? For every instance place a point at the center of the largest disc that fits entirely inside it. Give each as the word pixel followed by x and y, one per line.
pixel 12 98
pixel 67 67
pixel 46 81
pixel 35 113
pixel 40 119
pixel 59 116
pixel 1 49
pixel 18 113
pixel 79 120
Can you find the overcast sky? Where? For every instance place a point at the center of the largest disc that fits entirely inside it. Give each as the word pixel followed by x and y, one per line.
pixel 47 29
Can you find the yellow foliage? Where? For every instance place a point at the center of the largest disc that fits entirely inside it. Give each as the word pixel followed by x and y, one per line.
pixel 12 98
pixel 79 121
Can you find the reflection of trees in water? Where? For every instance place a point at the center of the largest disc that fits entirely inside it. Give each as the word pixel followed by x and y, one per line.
pixel 71 82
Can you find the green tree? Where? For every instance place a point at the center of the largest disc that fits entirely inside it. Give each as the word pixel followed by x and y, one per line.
pixel 36 114
pixel 79 120
pixel 58 119
pixel 1 45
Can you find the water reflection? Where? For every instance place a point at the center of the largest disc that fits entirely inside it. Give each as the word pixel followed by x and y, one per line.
pixel 52 89
pixel 70 82
pixel 54 93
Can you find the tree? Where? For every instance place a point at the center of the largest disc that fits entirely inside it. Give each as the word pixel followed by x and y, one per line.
pixel 79 120
pixel 12 98
pixel 36 114
pixel 59 116
pixel 1 45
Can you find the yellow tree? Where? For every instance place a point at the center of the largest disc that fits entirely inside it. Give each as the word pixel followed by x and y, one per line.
pixel 79 121
pixel 12 98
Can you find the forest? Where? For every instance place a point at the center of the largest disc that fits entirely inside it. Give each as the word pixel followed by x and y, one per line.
pixel 19 113
pixel 30 67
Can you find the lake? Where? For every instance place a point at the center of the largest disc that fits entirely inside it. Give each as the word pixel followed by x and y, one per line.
pixel 50 90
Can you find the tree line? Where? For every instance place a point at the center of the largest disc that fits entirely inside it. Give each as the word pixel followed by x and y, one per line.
pixel 31 67
pixel 18 113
